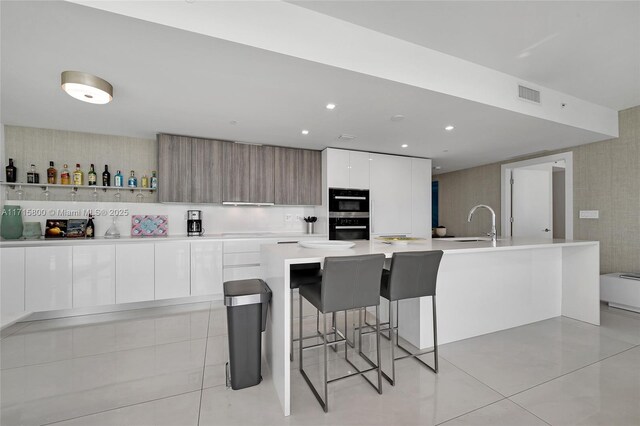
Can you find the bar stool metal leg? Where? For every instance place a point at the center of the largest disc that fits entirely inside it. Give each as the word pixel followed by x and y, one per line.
pixel 435 333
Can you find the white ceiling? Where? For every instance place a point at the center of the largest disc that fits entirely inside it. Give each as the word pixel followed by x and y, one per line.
pixel 589 49
pixel 169 80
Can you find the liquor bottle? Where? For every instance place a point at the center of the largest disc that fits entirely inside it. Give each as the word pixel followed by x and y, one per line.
pixel 144 181
pixel 32 175
pixel 92 177
pixel 12 172
pixel 52 174
pixel 133 180
pixel 154 180
pixel 106 176
pixel 89 230
pixel 78 176
pixel 65 176
pixel 118 180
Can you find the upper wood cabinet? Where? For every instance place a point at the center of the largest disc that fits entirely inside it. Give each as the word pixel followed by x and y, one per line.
pixel 298 176
pixel 190 169
pixel 248 173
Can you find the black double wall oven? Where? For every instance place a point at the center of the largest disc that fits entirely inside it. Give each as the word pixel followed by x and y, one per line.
pixel 348 214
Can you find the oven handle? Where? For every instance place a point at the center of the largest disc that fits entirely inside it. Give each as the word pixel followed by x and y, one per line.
pixel 351 227
pixel 345 197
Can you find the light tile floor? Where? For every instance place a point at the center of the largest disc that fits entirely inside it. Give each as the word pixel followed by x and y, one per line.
pixel 165 366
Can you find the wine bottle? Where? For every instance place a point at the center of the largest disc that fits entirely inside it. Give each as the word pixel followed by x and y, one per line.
pixel 106 176
pixel 32 175
pixel 118 180
pixel 89 230
pixel 92 177
pixel 52 174
pixel 12 171
pixel 133 180
pixel 65 176
pixel 154 180
pixel 78 176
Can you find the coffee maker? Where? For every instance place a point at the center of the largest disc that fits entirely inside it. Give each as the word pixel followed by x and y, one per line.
pixel 194 223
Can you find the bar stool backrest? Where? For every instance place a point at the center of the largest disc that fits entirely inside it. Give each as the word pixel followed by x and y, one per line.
pixel 414 274
pixel 350 282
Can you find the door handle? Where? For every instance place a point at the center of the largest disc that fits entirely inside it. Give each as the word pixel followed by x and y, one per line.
pixel 547 230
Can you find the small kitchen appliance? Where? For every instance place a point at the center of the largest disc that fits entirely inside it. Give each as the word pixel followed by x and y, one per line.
pixel 194 223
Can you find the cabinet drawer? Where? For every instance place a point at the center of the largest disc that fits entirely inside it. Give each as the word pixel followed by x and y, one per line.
pixel 241 273
pixel 246 246
pixel 232 259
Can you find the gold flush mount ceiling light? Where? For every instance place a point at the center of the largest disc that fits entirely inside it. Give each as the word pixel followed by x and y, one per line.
pixel 86 87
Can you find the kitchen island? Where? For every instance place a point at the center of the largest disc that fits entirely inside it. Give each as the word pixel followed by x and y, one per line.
pixel 482 288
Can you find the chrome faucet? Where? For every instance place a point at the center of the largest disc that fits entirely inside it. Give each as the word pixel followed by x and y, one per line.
pixel 493 233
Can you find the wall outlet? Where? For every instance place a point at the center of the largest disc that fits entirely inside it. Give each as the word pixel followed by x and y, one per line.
pixel 288 217
pixel 589 214
pixel 299 218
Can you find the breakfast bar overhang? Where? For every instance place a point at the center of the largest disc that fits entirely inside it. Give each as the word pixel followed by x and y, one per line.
pixel 482 287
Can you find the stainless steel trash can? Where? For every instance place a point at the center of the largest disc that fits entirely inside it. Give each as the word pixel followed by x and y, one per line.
pixel 247 302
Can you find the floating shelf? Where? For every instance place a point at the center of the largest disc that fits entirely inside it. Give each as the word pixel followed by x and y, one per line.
pixel 75 187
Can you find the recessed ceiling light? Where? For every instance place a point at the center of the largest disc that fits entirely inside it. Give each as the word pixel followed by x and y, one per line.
pixel 404 145
pixel 305 132
pixel 331 106
pixel 86 87
pixel 398 117
pixel 449 128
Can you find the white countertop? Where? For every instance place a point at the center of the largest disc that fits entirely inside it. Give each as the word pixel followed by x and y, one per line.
pixel 452 246
pixel 230 236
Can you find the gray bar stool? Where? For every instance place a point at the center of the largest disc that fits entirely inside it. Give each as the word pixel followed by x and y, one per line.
pixel 299 275
pixel 412 274
pixel 348 282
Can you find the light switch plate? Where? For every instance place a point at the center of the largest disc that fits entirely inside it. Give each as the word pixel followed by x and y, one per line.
pixel 589 214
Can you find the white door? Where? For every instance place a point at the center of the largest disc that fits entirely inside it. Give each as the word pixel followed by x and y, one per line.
pixel 94 275
pixel 532 201
pixel 134 272
pixel 359 170
pixel 48 278
pixel 206 268
pixel 173 270
pixel 390 195
pixel 11 284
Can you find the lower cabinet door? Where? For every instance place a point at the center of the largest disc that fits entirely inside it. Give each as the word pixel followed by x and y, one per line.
pixel 11 284
pixel 94 275
pixel 48 278
pixel 206 268
pixel 134 272
pixel 173 269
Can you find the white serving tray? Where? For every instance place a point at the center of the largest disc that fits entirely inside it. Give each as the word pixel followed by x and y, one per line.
pixel 327 245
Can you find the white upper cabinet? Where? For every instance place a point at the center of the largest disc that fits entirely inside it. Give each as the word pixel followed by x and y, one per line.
pixel 172 269
pixel 391 208
pixel 11 284
pixel 337 168
pixel 135 272
pixel 48 278
pixel 420 197
pixel 94 275
pixel 347 169
pixel 359 169
pixel 206 268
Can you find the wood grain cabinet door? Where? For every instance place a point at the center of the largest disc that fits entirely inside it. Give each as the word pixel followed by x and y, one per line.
pixel 261 174
pixel 174 168
pixel 310 177
pixel 287 176
pixel 236 170
pixel 206 160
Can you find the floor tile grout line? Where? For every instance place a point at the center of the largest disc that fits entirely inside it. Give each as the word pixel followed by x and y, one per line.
pixel 117 408
pixel 472 376
pixel 204 362
pixel 573 371
pixel 469 412
pixel 530 412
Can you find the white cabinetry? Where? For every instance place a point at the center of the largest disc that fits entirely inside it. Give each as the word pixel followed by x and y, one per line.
pixel 420 197
pixel 206 268
pixel 48 278
pixel 94 275
pixel 135 273
pixel 242 259
pixel 347 169
pixel 11 284
pixel 172 269
pixel 390 195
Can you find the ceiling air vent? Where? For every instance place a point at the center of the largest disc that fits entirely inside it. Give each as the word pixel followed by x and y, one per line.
pixel 528 94
pixel 346 137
